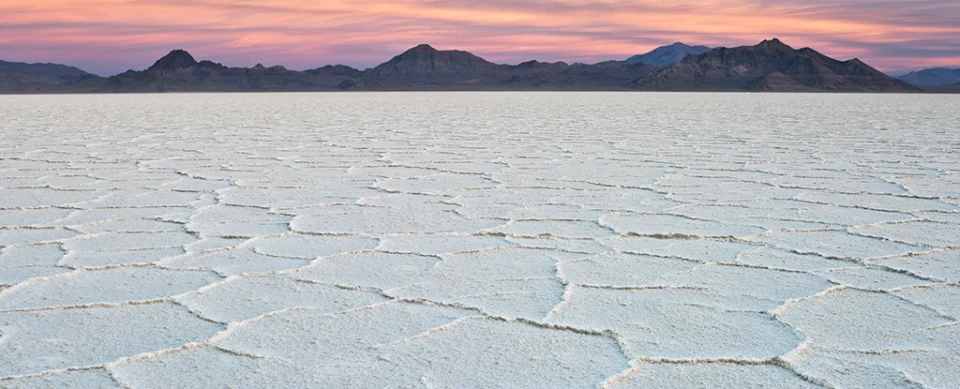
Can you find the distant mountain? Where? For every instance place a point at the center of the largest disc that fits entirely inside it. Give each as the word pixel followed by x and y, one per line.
pixel 667 55
pixel 770 66
pixel 19 77
pixel 49 70
pixel 932 77
pixel 425 61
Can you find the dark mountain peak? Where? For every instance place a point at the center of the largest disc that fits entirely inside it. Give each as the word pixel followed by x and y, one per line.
pixel 176 59
pixel 425 61
pixel 774 45
pixel 423 47
pixel 667 55
pixel 259 66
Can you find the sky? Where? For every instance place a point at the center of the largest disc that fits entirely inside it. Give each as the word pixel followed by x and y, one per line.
pixel 111 36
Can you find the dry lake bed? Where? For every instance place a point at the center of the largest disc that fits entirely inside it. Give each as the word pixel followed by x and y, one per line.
pixel 467 240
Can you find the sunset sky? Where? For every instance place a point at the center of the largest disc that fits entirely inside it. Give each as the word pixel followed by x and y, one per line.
pixel 110 36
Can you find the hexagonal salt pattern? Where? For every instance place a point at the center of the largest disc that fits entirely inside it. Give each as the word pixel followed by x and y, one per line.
pixel 480 240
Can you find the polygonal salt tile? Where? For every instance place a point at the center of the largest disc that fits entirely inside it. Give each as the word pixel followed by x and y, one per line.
pixel 91 378
pixel 850 216
pixel 369 172
pixel 213 244
pixel 880 202
pixel 237 230
pixel 619 200
pixel 34 236
pixel 208 367
pixel 939 265
pixel 233 261
pixel 779 259
pixel 554 212
pixel 37 341
pixel 129 241
pixel 695 250
pixel 33 255
pixel 871 278
pixel 553 228
pixel 669 225
pixel 129 226
pixel 195 185
pixel 314 337
pixel 621 269
pixel 96 259
pixel 850 371
pixel 730 280
pixel 92 216
pixel 111 286
pixel 311 246
pixel 857 320
pixel 505 355
pixel 419 219
pixel 227 213
pixel 293 197
pixel 441 244
pixel 372 269
pixel 36 198
pixel 708 376
pixel 916 233
pixel 143 198
pixel 944 298
pixel 31 217
pixel 848 185
pixel 678 323
pixel 836 244
pixel 509 282
pixel 401 200
pixel 245 297
pixel 434 184
pixel 570 245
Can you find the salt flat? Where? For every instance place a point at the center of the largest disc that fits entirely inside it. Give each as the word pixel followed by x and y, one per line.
pixel 458 240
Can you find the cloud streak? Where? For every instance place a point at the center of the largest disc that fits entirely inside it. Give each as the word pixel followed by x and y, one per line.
pixel 108 36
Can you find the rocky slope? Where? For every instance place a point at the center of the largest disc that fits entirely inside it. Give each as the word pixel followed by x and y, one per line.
pixel 932 77
pixel 667 55
pixel 770 65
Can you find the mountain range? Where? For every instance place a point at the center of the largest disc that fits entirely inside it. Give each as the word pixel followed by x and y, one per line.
pixel 770 66
pixel 935 77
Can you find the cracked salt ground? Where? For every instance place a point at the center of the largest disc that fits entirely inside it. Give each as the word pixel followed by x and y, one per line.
pixel 145 250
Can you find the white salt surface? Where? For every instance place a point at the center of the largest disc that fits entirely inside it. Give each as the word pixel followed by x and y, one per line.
pixel 516 240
